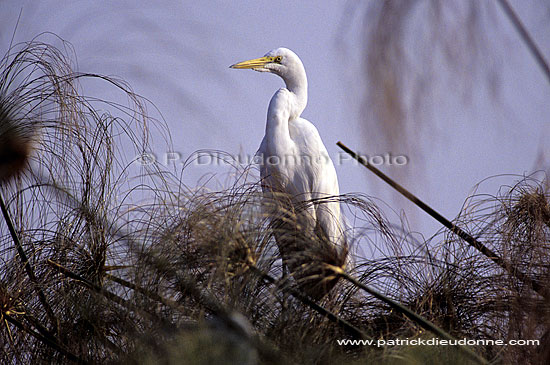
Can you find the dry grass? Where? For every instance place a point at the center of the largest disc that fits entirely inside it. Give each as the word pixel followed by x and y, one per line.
pixel 138 268
pixel 406 45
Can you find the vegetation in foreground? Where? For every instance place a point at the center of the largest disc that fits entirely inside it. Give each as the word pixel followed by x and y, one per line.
pixel 105 260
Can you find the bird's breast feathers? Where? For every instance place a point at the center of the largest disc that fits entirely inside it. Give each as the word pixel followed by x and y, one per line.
pixel 301 165
pixel 279 105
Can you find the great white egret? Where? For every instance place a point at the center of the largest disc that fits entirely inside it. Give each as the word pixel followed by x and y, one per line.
pixel 296 165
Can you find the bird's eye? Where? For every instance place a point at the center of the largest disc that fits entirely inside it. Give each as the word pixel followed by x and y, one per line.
pixel 278 59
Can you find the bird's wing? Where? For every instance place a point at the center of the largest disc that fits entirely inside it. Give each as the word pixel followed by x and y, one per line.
pixel 322 178
pixel 316 162
pixel 266 180
pixel 261 153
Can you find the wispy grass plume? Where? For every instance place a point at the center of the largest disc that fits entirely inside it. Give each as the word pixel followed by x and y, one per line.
pixel 136 267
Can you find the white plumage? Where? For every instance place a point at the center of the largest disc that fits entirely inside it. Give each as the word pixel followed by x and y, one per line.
pixel 296 163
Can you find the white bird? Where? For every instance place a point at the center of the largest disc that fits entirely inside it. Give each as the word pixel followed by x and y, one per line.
pixel 296 163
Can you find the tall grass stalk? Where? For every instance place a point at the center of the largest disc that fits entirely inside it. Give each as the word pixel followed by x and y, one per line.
pixel 137 267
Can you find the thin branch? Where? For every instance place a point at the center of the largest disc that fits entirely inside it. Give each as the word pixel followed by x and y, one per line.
pixel 211 305
pixel 421 321
pixel 48 340
pixel 348 327
pixel 27 265
pixel 536 285
pixel 107 294
pixel 533 48
pixel 148 293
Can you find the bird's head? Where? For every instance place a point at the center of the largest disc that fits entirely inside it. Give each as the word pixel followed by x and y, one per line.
pixel 280 61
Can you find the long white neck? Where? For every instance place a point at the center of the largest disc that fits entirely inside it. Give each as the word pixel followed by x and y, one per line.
pixel 285 106
pixel 296 83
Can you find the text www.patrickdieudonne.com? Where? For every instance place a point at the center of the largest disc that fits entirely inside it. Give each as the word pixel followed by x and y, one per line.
pixel 435 342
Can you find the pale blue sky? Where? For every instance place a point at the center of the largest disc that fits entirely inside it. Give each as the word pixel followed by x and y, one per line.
pixel 177 56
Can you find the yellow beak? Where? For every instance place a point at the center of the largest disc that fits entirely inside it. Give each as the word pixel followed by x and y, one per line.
pixel 255 63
